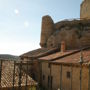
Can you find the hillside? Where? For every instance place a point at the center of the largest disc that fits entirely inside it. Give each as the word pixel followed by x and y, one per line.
pixel 8 57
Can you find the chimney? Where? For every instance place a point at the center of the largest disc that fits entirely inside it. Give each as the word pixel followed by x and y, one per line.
pixel 63 46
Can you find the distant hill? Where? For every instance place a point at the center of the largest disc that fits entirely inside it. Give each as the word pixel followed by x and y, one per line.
pixel 8 57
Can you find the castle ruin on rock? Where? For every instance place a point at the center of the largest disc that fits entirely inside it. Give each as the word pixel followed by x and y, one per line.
pixel 75 33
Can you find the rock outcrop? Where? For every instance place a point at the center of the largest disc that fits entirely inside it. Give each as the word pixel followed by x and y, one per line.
pixel 85 9
pixel 75 33
pixel 47 30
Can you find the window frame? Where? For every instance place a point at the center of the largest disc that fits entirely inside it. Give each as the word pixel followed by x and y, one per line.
pixel 68 74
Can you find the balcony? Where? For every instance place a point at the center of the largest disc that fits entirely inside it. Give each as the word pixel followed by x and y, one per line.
pixel 13 77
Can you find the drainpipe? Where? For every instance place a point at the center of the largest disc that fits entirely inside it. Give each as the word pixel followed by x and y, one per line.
pixel 71 76
pixel 89 79
pixel 81 62
pixel 50 78
pixel 61 77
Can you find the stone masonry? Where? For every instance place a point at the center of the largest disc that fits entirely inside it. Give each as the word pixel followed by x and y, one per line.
pixel 75 33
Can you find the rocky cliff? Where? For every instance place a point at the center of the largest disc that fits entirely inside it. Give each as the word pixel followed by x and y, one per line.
pixel 75 33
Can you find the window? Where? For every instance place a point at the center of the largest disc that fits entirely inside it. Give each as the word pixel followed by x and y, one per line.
pixel 43 77
pixel 50 81
pixel 51 44
pixel 33 76
pixel 68 75
pixel 48 65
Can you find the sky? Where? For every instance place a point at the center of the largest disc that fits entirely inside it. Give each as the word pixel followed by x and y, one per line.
pixel 20 21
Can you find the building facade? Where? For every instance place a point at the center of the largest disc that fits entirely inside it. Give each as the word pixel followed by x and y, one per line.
pixel 66 72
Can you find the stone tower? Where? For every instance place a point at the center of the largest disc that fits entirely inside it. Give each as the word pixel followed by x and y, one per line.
pixel 85 9
pixel 46 30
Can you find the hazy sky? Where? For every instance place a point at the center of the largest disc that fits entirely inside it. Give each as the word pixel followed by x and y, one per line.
pixel 20 21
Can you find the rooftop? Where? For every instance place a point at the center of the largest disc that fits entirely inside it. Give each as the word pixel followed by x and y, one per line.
pixel 74 58
pixel 68 57
pixel 57 55
pixel 39 52
pixel 7 76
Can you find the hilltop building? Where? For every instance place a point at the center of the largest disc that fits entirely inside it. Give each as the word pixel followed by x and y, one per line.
pixel 63 61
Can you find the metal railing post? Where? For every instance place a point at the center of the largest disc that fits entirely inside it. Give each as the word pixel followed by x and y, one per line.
pixel 0 73
pixel 26 75
pixel 89 78
pixel 14 75
pixel 61 77
pixel 50 79
pixel 81 62
pixel 20 75
pixel 80 77
pixel 31 85
pixel 71 76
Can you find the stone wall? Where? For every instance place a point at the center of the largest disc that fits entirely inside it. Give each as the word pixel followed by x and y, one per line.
pixel 85 9
pixel 56 76
pixel 45 73
pixel 66 82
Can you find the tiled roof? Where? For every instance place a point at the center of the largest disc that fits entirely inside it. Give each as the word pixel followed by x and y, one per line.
pixel 7 76
pixel 39 52
pixel 75 58
pixel 57 55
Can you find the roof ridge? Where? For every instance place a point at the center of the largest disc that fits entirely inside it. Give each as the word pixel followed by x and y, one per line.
pixel 85 48
pixel 29 51
pixel 48 52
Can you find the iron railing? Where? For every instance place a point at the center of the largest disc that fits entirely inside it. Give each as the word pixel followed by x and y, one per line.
pixel 17 71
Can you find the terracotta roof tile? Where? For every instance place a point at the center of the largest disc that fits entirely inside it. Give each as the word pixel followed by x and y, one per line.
pixel 57 55
pixel 7 76
pixel 75 58
pixel 38 52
